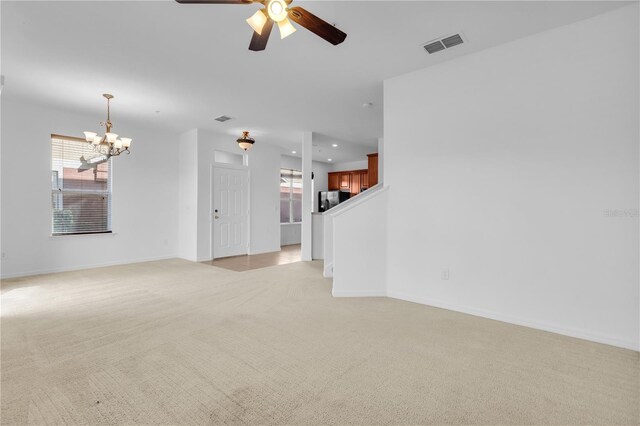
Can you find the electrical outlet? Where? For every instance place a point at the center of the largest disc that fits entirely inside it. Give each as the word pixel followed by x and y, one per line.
pixel 445 274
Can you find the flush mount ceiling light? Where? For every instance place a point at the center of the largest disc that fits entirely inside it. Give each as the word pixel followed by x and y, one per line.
pixel 279 11
pixel 108 145
pixel 245 141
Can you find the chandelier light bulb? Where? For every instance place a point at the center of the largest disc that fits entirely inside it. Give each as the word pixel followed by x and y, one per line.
pixel 277 10
pixel 286 28
pixel 126 142
pixel 89 136
pixel 97 140
pixel 118 144
pixel 111 137
pixel 257 21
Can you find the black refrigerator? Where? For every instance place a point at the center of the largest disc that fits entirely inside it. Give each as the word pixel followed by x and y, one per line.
pixel 330 199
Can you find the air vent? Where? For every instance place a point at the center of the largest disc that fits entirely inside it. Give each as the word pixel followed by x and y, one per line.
pixel 443 43
pixel 222 118
pixel 434 47
pixel 454 40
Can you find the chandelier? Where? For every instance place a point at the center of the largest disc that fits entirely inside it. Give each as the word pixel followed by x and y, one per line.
pixel 108 145
pixel 245 141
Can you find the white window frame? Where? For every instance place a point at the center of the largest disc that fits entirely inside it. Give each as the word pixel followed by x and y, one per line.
pixel 291 222
pixel 55 190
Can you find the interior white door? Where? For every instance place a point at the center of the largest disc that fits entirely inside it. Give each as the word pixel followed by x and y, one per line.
pixel 230 212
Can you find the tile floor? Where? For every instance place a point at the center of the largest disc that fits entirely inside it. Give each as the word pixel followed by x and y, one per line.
pixel 288 254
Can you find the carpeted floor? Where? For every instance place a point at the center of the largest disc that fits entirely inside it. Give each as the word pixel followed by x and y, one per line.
pixel 175 342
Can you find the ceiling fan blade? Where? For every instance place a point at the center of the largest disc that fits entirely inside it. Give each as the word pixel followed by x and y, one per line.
pixel 316 25
pixel 215 1
pixel 259 42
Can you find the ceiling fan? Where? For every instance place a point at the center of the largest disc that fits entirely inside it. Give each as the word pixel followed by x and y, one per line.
pixel 279 11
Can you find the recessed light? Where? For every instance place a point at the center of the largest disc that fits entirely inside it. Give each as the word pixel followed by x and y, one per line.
pixel 293 152
pixel 335 145
pixel 329 159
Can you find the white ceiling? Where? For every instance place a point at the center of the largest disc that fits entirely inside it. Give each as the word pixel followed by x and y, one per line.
pixel 191 62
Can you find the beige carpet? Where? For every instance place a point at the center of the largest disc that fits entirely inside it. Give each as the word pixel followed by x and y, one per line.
pixel 175 342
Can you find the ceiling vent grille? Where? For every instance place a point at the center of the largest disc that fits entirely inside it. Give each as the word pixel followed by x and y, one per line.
pixel 443 43
pixel 434 47
pixel 222 118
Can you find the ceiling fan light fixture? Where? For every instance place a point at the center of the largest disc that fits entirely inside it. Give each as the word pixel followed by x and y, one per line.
pixel 277 10
pixel 286 28
pixel 257 21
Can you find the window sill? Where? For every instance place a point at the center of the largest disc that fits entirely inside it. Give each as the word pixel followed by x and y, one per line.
pixel 289 224
pixel 81 236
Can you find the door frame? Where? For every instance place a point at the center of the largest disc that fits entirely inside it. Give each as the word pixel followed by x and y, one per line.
pixel 212 228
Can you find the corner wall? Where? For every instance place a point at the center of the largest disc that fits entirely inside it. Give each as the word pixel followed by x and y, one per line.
pixel 516 168
pixel 145 195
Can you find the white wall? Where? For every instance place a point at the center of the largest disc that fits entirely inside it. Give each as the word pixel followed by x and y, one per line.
pixel 351 165
pixel 145 194
pixel 360 245
pixel 188 196
pixel 523 153
pixel 290 233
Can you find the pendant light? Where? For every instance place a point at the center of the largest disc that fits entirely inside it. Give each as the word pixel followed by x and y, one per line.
pixel 245 142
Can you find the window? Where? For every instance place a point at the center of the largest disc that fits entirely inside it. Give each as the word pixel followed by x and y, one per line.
pixel 290 196
pixel 80 188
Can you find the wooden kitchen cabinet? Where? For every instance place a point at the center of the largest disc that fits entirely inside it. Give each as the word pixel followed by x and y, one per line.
pixel 373 169
pixel 364 180
pixel 334 181
pixel 345 181
pixel 355 183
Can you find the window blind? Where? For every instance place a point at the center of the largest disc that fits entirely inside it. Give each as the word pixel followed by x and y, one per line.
pixel 80 188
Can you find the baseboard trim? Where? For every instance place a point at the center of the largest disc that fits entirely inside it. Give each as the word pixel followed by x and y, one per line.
pixel 366 293
pixel 327 272
pixel 570 332
pixel 82 267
